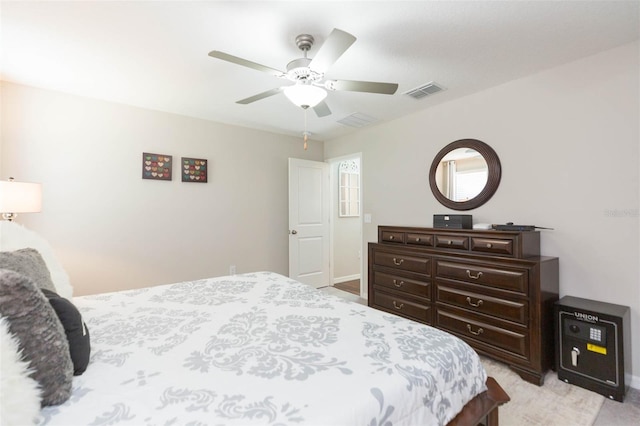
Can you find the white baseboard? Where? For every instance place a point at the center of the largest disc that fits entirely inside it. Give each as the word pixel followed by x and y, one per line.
pixel 346 278
pixel 635 382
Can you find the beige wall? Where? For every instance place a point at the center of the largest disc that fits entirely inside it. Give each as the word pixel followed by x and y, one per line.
pixel 113 230
pixel 568 140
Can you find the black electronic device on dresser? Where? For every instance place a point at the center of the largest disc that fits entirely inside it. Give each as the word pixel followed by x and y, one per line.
pixel 490 288
pixel 453 221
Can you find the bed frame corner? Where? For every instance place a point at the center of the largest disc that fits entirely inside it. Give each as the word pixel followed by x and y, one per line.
pixel 483 409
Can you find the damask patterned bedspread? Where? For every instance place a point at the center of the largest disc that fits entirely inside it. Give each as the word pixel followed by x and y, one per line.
pixel 262 349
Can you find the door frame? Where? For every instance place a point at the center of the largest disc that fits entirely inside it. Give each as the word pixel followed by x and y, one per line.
pixel 333 194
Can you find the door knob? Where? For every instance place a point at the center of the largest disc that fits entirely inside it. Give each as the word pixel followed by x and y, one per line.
pixel 294 232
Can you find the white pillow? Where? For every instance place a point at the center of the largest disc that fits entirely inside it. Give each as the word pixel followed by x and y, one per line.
pixel 14 237
pixel 19 393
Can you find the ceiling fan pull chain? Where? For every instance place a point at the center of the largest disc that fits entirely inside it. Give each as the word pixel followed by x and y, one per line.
pixel 306 134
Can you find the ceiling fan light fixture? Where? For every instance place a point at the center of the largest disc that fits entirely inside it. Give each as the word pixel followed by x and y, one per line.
pixel 305 95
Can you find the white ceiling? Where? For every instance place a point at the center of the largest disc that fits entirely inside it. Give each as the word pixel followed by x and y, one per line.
pixel 153 54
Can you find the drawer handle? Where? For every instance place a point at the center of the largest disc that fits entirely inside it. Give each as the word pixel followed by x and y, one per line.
pixel 449 242
pixel 475 277
pixel 391 237
pixel 398 307
pixel 397 262
pixel 489 245
pixel 398 284
pixel 418 239
pixel 475 333
pixel 475 305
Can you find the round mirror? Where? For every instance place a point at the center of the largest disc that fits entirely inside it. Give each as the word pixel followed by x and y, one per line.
pixel 465 174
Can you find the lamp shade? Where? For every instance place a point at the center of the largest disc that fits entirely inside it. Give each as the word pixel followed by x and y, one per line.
pixel 305 94
pixel 20 197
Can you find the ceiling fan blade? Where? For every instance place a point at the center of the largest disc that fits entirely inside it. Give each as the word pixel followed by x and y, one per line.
pixel 260 96
pixel 362 86
pixel 245 63
pixel 334 46
pixel 322 109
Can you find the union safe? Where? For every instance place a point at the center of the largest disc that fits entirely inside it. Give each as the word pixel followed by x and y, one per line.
pixel 593 345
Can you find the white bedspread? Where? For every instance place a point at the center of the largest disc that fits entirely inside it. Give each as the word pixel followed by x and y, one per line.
pixel 262 349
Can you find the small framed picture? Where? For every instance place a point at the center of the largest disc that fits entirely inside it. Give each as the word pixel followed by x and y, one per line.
pixel 194 169
pixel 156 166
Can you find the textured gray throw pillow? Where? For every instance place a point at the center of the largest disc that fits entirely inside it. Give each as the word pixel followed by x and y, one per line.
pixel 42 338
pixel 28 262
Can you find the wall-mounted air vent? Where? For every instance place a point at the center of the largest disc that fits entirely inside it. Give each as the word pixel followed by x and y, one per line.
pixel 424 90
pixel 357 119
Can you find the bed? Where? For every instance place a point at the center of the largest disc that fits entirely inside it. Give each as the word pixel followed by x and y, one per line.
pixel 239 350
pixel 264 349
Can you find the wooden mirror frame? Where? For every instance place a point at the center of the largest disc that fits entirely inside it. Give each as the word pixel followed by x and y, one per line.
pixel 493 176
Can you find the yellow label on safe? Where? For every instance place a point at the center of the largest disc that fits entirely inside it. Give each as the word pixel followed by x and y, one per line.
pixel 596 348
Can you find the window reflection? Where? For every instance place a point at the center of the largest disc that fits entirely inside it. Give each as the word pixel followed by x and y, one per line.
pixel 462 174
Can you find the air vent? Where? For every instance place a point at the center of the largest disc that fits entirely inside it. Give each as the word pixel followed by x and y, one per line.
pixel 357 119
pixel 424 90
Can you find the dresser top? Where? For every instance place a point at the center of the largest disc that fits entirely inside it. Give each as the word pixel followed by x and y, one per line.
pixel 513 244
pixel 454 230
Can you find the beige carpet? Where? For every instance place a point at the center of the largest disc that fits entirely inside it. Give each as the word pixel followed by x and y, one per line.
pixel 554 404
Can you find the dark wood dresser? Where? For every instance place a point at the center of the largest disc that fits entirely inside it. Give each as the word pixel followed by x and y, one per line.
pixel 490 288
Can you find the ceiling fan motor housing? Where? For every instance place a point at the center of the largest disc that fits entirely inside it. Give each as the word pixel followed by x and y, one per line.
pixel 298 71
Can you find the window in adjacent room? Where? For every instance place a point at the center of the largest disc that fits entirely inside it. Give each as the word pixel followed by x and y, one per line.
pixel 349 178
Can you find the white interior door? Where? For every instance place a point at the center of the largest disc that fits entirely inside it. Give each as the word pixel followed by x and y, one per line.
pixel 309 222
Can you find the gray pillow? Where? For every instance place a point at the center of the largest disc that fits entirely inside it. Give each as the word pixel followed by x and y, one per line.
pixel 42 338
pixel 28 262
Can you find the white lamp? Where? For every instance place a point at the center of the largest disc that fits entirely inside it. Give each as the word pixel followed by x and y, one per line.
pixel 19 197
pixel 305 95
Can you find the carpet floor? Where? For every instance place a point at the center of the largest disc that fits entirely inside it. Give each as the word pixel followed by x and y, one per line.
pixel 554 403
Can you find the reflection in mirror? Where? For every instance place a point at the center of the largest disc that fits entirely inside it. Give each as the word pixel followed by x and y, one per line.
pixel 462 174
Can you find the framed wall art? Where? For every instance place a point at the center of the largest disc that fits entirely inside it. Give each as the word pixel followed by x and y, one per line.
pixel 194 169
pixel 156 166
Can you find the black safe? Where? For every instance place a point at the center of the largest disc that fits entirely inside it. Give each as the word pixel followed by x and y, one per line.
pixel 593 345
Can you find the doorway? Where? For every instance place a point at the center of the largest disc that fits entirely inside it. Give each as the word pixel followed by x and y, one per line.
pixel 346 222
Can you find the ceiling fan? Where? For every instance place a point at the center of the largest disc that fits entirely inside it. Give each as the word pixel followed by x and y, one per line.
pixel 308 74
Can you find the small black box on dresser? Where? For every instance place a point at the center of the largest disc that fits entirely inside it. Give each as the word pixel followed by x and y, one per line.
pixel 453 221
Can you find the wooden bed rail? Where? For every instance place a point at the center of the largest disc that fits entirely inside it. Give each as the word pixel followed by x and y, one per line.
pixel 483 409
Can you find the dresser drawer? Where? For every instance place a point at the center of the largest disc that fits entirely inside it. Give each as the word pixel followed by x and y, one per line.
pixel 458 242
pixel 418 288
pixel 473 329
pixel 516 311
pixel 513 280
pixel 492 245
pixel 420 239
pixel 402 306
pixel 392 237
pixel 403 262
